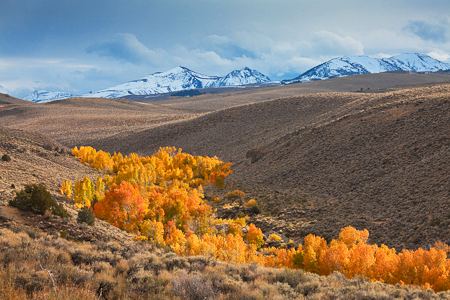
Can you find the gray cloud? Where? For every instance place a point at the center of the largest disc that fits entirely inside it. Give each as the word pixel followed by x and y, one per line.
pixel 436 32
pixel 124 47
pixel 226 47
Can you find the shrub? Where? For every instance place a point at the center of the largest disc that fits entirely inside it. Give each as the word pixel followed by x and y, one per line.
pixel 293 278
pixel 254 155
pixel 193 286
pixel 36 198
pixel 215 199
pixel 251 203
pixel 273 237
pixel 86 215
pixel 59 210
pixel 6 157
pixel 236 194
pixel 252 207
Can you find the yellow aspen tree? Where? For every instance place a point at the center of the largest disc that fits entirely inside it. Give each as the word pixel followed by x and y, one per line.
pixel 84 193
pixel 67 189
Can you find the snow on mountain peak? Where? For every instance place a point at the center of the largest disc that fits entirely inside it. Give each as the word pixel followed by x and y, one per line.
pixel 42 96
pixel 243 76
pixel 419 62
pixel 356 65
pixel 178 79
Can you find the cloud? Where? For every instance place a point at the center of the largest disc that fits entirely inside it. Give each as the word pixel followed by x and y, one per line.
pixel 226 48
pixel 439 55
pixel 435 32
pixel 21 75
pixel 330 43
pixel 125 47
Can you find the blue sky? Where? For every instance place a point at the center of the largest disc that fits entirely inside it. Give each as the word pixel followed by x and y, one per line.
pixel 83 45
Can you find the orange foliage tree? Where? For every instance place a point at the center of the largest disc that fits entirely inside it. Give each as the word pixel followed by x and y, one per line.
pixel 123 206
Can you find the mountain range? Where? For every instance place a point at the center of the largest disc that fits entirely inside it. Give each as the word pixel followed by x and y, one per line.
pixel 357 65
pixel 180 79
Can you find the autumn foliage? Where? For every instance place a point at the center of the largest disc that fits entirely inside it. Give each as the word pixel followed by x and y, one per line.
pixel 160 199
pixel 123 206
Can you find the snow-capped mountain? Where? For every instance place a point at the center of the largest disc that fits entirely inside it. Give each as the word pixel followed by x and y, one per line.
pixel 42 96
pixel 417 62
pixel 244 76
pixel 179 79
pixel 356 65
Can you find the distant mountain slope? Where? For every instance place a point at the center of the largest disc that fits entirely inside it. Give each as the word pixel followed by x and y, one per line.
pixel 42 96
pixel 244 76
pixel 180 79
pixel 357 65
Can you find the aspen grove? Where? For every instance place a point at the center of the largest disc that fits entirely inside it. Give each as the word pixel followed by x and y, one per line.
pixel 160 199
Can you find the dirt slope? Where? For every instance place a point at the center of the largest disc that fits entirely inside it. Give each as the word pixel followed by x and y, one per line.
pixel 34 159
pixel 327 160
pixel 80 121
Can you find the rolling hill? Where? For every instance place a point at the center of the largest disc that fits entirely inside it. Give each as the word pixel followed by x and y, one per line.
pixel 43 255
pixel 355 160
pixel 376 161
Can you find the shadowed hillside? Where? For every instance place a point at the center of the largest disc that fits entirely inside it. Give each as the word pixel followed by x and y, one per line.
pixel 327 160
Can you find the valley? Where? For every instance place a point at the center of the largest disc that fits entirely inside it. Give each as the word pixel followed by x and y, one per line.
pixel 368 151
pixel 329 153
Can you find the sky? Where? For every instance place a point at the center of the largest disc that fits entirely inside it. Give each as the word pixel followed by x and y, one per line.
pixel 88 45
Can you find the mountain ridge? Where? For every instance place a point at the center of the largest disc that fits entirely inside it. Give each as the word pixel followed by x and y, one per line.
pixel 180 79
pixel 363 64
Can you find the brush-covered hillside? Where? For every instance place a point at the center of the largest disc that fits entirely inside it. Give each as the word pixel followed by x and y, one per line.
pixel 52 257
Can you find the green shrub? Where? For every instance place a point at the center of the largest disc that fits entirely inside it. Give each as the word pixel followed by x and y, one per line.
pixel 6 157
pixel 36 198
pixel 85 215
pixel 59 210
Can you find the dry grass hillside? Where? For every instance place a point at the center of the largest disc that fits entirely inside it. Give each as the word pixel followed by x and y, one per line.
pixel 326 160
pixel 34 158
pixel 83 121
pixel 48 257
pixel 42 260
pixel 7 100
